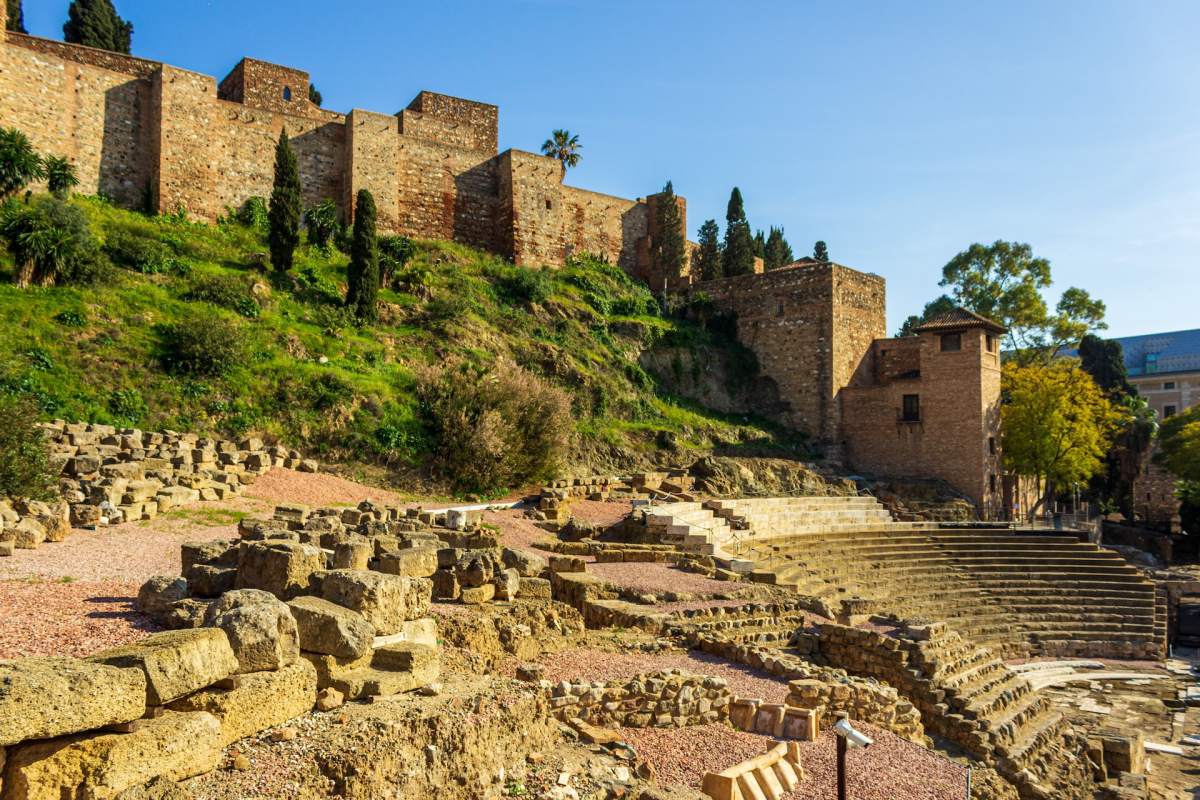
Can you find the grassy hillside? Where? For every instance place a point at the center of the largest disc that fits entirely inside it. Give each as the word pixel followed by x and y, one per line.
pixel 305 374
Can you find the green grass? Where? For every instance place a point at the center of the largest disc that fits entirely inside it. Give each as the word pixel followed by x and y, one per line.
pixel 315 380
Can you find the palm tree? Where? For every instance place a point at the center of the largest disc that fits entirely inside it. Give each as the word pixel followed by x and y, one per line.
pixel 565 147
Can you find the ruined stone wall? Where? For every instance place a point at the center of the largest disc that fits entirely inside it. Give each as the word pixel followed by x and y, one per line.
pixel 668 699
pixel 447 192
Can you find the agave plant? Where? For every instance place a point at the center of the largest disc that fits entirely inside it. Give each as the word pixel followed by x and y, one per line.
pixel 60 176
pixel 322 223
pixel 20 165
pixel 565 147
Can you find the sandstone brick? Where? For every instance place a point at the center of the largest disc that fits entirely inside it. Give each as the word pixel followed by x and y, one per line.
pixel 256 701
pixel 175 662
pixel 41 698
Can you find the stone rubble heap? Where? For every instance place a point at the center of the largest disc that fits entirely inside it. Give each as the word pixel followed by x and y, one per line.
pixel 108 475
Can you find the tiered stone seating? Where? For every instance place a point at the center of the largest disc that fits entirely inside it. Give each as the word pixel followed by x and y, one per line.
pixel 1017 593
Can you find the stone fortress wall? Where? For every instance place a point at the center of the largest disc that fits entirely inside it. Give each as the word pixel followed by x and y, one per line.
pixel 147 134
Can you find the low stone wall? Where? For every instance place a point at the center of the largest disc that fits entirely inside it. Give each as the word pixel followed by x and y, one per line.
pixel 554 501
pixel 863 698
pixel 666 699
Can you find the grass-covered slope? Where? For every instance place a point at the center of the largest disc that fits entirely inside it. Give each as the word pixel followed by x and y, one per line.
pixel 301 371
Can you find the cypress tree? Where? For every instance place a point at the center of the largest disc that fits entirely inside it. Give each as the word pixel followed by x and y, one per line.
pixel 821 252
pixel 16 17
pixel 362 285
pixel 95 23
pixel 283 216
pixel 778 251
pixel 668 251
pixel 738 255
pixel 706 263
pixel 760 245
pixel 314 96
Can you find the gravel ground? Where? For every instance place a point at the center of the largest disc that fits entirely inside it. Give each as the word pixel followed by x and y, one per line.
pixel 516 530
pixel 601 512
pixel 891 769
pixel 658 578
pixel 76 619
pixel 317 489
pixel 602 665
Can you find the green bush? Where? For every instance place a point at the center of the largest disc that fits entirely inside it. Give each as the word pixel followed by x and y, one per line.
pixel 253 214
pixel 491 430
pixel 204 344
pixel 60 176
pixel 24 464
pixel 140 252
pixel 230 292
pixel 51 243
pixel 519 286
pixel 394 253
pixel 322 223
pixel 127 406
pixel 20 164
pixel 70 319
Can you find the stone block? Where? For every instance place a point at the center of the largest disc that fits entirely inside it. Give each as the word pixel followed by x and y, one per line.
pixel 28 534
pixel 157 594
pixel 534 589
pixel 42 698
pixel 100 766
pixel 526 562
pixel 353 553
pixel 326 627
pixel 284 569
pixel 475 595
pixel 256 701
pixel 508 584
pixel 412 562
pixel 261 629
pixel 204 580
pixel 387 601
pixel 175 663
pixel 220 554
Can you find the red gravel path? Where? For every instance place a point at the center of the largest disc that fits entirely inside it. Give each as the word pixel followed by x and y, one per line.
pixel 75 619
pixel 516 529
pixel 891 769
pixel 658 578
pixel 601 665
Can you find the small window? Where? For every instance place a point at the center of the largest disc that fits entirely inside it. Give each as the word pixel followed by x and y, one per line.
pixel 992 483
pixel 780 311
pixel 951 342
pixel 1168 386
pixel 287 94
pixel 911 410
pixel 548 205
pixel 1168 411
pixel 1151 363
pixel 992 445
pixel 991 343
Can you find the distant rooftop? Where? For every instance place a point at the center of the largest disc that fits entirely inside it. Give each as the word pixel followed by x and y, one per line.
pixel 1157 353
pixel 958 318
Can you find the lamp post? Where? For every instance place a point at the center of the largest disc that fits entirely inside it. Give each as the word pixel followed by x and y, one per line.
pixel 847 737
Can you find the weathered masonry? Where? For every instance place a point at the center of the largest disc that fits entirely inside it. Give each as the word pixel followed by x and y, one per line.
pixel 921 406
pixel 147 134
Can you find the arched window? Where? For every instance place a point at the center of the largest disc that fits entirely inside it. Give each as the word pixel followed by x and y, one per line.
pixel 287 94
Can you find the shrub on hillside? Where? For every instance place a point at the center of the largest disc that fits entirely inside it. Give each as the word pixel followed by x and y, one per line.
pixel 140 252
pixel 495 429
pixel 394 253
pixel 517 286
pixel 231 292
pixel 24 465
pixel 20 164
pixel 253 214
pixel 51 243
pixel 322 223
pixel 203 344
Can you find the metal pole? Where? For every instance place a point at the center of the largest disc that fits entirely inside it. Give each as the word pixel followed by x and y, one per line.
pixel 968 782
pixel 841 759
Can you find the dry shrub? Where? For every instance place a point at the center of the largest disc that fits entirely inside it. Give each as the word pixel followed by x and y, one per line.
pixel 492 429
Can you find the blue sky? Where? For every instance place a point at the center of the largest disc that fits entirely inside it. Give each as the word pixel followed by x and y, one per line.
pixel 898 132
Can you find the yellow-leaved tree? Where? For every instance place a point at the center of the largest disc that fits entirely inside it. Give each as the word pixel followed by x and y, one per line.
pixel 1056 424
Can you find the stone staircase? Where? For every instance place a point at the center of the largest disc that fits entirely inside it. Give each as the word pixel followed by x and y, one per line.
pixel 966 694
pixel 733 529
pixel 1018 594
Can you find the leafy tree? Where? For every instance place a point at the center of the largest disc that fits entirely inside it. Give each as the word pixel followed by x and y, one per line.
pixel 362 287
pixel 394 254
pixel 95 23
pixel 668 250
pixel 1057 425
pixel 24 462
pixel 778 253
pixel 50 242
pixel 1104 360
pixel 706 263
pixel 283 215
pixel 737 256
pixel 760 245
pixel 1003 281
pixel 565 147
pixel 16 17
pixel 933 308
pixel 20 164
pixel 1179 444
pixel 314 96
pixel 60 176
pixel 821 252
pixel 322 223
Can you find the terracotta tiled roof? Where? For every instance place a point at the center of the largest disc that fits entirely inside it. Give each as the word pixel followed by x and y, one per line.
pixel 960 318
